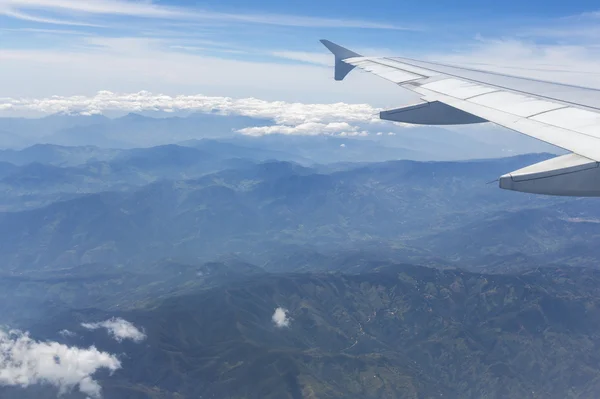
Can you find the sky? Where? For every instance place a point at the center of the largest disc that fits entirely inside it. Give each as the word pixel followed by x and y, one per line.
pixel 269 49
pixel 60 55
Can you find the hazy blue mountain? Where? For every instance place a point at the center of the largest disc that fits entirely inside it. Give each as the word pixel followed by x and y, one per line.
pixel 13 140
pixel 135 130
pixel 240 149
pixel 326 149
pixel 564 232
pixel 60 172
pixel 57 155
pixel 257 208
pixel 6 168
pixel 146 129
pixel 32 130
pixel 416 143
pixel 131 130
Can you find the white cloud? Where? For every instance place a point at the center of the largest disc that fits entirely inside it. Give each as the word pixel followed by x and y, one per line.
pixel 306 129
pixel 67 333
pixel 119 329
pixel 280 318
pixel 565 63
pixel 48 31
pixel 133 64
pixel 304 56
pixel 25 362
pixel 289 118
pixel 145 9
pixel 280 111
pixel 33 18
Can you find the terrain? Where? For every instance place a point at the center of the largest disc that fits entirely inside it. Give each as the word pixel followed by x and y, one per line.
pixel 288 267
pixel 396 331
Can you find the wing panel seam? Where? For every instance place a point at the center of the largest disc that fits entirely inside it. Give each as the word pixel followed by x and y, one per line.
pixel 558 174
pixel 483 94
pixel 546 111
pixel 504 88
pixel 454 100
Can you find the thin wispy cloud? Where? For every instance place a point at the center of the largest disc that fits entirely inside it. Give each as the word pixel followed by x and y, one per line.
pixel 589 14
pixel 193 55
pixel 44 20
pixel 24 9
pixel 566 63
pixel 47 31
pixel 304 56
pixel 101 7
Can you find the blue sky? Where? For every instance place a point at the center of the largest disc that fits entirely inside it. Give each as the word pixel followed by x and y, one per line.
pixel 269 48
pixel 263 58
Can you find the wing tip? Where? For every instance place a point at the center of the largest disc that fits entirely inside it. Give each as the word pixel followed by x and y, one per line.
pixel 342 69
pixel 339 51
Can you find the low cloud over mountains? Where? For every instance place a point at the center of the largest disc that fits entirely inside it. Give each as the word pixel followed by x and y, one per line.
pixel 25 361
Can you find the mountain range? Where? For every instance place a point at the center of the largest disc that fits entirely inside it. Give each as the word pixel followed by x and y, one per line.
pixel 396 331
pixel 291 267
pixel 257 207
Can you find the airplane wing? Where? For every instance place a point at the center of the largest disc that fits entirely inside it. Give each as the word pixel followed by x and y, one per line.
pixel 563 115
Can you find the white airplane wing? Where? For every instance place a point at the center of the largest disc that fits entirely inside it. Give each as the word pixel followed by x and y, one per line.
pixel 563 115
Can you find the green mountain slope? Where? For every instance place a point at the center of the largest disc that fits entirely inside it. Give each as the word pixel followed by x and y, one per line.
pixel 398 332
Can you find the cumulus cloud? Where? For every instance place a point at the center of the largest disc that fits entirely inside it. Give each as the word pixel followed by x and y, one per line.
pixel 280 318
pixel 289 118
pixel 119 329
pixel 280 111
pixel 25 362
pixel 306 129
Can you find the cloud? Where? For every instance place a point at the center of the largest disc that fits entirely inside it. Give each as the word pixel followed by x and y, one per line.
pixel 119 329
pixel 43 20
pixel 280 318
pixel 67 333
pixel 304 56
pixel 306 129
pixel 49 31
pixel 289 118
pixel 25 362
pixel 14 9
pixel 565 63
pixel 132 64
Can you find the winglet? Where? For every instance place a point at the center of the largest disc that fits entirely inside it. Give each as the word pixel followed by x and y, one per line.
pixel 341 53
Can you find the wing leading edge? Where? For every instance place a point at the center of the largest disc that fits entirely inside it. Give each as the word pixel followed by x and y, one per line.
pixel 563 115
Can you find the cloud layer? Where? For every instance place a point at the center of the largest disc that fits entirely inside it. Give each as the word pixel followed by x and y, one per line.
pixel 25 362
pixel 280 318
pixel 119 329
pixel 289 118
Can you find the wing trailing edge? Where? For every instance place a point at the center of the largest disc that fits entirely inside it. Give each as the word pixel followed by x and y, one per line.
pixel 430 113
